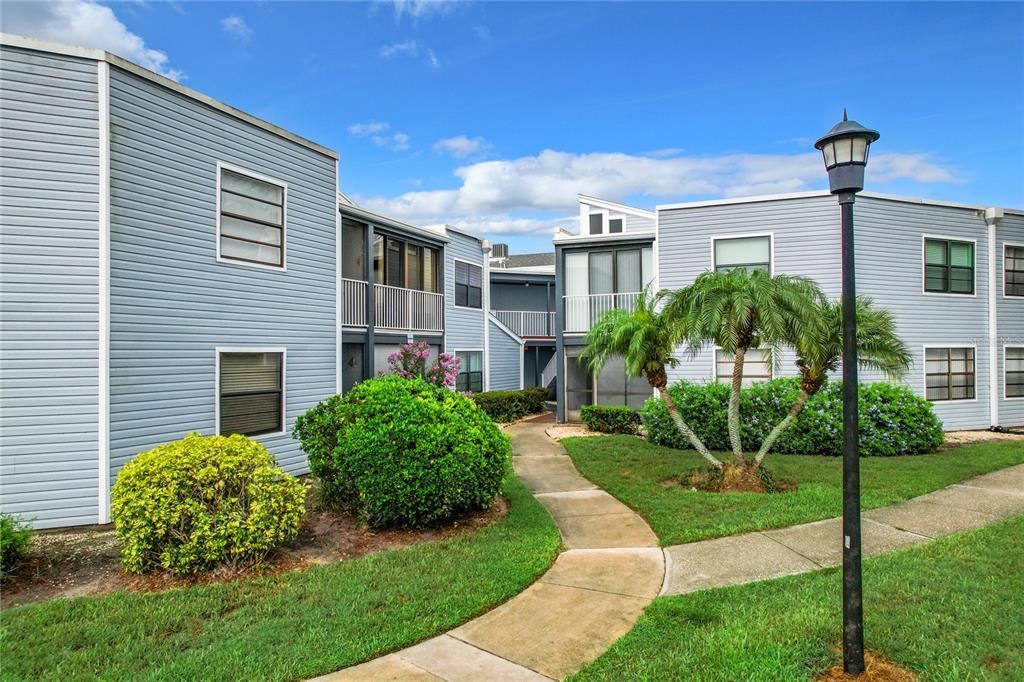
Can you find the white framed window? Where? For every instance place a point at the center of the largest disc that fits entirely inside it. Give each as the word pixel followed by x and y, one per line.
pixel 948 266
pixel 251 218
pixel 750 251
pixel 1013 372
pixel 596 223
pixel 468 285
pixel 1013 270
pixel 471 371
pixel 949 373
pixel 757 366
pixel 250 390
pixel 616 225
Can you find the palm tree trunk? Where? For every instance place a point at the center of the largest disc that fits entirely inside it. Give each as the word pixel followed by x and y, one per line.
pixel 677 419
pixel 780 427
pixel 734 406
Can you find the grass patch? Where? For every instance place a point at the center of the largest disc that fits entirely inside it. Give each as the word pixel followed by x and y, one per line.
pixel 949 610
pixel 635 472
pixel 294 626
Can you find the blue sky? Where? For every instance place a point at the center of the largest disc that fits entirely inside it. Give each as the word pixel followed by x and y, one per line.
pixel 494 115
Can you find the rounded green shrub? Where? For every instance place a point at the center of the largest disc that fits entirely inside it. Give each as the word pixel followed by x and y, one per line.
pixel 893 420
pixel 191 504
pixel 15 537
pixel 610 419
pixel 505 407
pixel 403 452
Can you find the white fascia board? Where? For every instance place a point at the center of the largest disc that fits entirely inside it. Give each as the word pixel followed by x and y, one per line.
pixel 614 206
pixel 607 238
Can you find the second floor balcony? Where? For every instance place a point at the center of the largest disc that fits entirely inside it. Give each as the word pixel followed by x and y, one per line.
pixel 528 323
pixel 582 312
pixel 395 308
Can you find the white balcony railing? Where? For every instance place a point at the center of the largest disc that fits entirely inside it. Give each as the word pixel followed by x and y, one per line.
pixel 581 312
pixel 353 303
pixel 408 309
pixel 527 322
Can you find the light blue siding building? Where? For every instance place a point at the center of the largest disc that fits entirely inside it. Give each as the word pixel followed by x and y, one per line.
pixel 950 273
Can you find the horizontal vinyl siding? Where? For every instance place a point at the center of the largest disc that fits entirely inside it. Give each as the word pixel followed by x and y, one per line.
pixel 1010 319
pixel 49 305
pixel 890 271
pixel 634 223
pixel 463 327
pixel 172 303
pixel 505 363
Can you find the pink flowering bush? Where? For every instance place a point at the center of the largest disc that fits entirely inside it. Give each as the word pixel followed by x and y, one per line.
pixel 410 361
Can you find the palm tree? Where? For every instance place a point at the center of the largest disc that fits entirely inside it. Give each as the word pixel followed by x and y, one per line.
pixel 739 310
pixel 645 338
pixel 819 350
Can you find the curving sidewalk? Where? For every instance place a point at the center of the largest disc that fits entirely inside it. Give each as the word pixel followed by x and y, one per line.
pixel 593 594
pixel 613 568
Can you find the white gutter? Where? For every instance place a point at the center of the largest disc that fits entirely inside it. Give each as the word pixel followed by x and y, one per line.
pixel 992 218
pixel 103 294
pixel 485 247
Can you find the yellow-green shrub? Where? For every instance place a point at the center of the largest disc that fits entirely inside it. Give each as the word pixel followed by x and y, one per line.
pixel 205 500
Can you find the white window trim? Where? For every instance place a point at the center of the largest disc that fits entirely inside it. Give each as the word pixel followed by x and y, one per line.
pixel 283 350
pixel 221 166
pixel 974 269
pixel 604 222
pixel 1005 346
pixel 924 372
pixel 454 283
pixel 714 364
pixel 1003 270
pixel 746 235
pixel 483 372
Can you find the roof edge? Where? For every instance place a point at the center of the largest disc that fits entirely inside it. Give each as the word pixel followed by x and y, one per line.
pixel 26 43
pixel 384 221
pixel 824 193
pixel 615 206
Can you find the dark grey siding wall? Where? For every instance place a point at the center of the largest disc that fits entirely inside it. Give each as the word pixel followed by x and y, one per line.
pixel 1010 319
pixel 509 296
pixel 889 269
pixel 506 356
pixel 49 305
pixel 172 303
pixel 464 327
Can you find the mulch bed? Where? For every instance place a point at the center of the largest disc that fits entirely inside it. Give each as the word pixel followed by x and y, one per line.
pixel 877 669
pixel 86 561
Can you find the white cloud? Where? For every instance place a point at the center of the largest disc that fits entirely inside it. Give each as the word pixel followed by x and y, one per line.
pixel 421 9
pixel 460 146
pixel 432 60
pixel 549 182
pixel 380 134
pixel 409 47
pixel 86 24
pixel 482 32
pixel 236 27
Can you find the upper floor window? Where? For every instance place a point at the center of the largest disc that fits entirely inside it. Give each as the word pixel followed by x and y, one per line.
pixel 1013 270
pixel 468 285
pixel 251 221
pixel 401 264
pixel 751 253
pixel 250 389
pixel 949 373
pixel 1013 378
pixel 596 223
pixel 615 225
pixel 619 271
pixel 948 266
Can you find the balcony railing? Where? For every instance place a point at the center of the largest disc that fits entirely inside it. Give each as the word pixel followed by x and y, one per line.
pixel 581 312
pixel 353 303
pixel 528 322
pixel 408 309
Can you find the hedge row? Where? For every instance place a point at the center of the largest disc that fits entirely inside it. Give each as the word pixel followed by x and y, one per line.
pixel 893 421
pixel 610 419
pixel 508 406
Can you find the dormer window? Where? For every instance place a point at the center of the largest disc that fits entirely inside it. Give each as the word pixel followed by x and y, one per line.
pixel 596 223
pixel 615 225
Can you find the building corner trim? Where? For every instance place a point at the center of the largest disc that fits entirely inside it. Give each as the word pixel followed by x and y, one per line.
pixel 103 293
pixel 992 218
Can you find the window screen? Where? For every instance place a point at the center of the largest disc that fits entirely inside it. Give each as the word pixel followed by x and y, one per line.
pixel 752 253
pixel 251 219
pixel 251 387
pixel 615 225
pixel 948 266
pixel 1014 371
pixel 949 373
pixel 468 285
pixel 471 374
pixel 596 223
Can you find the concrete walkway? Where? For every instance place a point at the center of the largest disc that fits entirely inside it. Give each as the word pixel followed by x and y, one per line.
pixel 593 594
pixel 770 554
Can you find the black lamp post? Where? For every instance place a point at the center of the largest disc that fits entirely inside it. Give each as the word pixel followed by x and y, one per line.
pixel 845 149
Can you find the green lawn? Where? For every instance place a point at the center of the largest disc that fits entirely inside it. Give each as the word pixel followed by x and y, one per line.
pixel 635 471
pixel 949 610
pixel 295 626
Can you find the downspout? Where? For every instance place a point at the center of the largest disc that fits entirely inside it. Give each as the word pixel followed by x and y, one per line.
pixel 485 247
pixel 559 337
pixel 992 218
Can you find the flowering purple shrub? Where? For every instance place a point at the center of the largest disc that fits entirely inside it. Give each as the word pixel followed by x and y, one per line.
pixel 410 361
